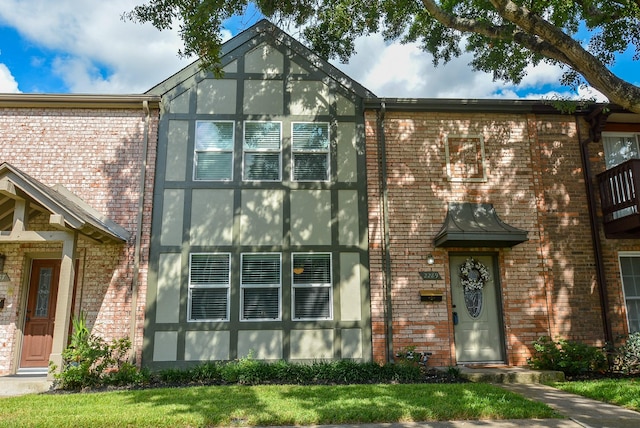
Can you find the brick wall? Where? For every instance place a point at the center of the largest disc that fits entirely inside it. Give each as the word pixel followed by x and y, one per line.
pixel 533 179
pixel 96 154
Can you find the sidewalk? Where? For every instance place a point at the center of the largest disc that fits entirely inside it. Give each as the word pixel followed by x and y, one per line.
pixel 584 412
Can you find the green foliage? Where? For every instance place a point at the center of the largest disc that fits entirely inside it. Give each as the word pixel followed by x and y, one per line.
pixel 568 356
pixel 627 356
pixel 409 356
pixel 89 361
pixel 247 371
pixel 505 38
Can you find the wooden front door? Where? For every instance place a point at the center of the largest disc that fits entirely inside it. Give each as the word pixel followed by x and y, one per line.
pixel 478 331
pixel 41 313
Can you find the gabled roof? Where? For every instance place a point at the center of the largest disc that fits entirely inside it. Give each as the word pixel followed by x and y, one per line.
pixel 258 33
pixel 57 200
pixel 477 225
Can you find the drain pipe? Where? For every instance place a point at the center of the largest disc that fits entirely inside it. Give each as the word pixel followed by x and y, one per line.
pixel 386 269
pixel 595 233
pixel 138 237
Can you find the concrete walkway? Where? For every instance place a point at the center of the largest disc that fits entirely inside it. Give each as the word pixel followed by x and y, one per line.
pixel 583 411
pixel 23 384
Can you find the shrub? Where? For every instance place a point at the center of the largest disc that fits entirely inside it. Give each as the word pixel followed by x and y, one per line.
pixel 89 361
pixel 627 356
pixel 570 357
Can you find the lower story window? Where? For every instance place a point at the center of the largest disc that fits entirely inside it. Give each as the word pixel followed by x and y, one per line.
pixel 260 286
pixel 312 289
pixel 209 279
pixel 630 270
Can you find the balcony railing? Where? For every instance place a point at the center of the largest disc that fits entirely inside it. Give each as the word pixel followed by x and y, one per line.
pixel 620 199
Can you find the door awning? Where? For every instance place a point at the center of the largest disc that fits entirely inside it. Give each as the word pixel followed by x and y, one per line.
pixel 66 210
pixel 476 225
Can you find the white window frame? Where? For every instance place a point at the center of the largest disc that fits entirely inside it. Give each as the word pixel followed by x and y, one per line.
pixel 326 152
pixel 605 135
pixel 193 286
pixel 244 286
pixel 213 150
pixel 295 286
pixel 633 254
pixel 246 150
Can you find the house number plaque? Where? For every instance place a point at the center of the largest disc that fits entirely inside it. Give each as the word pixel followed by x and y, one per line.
pixel 430 275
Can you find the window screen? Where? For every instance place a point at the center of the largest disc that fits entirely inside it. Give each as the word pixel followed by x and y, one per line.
pixel 619 148
pixel 209 279
pixel 214 150
pixel 262 151
pixel 260 279
pixel 310 151
pixel 630 270
pixel 312 286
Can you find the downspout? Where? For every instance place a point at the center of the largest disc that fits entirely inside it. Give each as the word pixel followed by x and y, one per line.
pixel 595 233
pixel 138 236
pixel 382 163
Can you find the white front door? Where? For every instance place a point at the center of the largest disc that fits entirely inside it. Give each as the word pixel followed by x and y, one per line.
pixel 478 331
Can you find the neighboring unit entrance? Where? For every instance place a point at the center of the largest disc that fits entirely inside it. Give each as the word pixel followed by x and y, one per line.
pixel 477 318
pixel 40 314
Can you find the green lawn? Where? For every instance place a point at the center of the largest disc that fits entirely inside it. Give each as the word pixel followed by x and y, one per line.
pixel 269 405
pixel 622 392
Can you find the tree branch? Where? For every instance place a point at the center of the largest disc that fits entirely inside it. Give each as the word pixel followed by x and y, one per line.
pixel 590 67
pixel 540 36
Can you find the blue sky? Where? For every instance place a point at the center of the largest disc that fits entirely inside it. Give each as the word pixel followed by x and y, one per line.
pixel 83 46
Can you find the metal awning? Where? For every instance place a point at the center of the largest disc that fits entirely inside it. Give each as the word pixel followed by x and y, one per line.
pixel 476 225
pixel 66 210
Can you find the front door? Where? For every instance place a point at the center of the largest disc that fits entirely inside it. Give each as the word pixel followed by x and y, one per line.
pixel 477 318
pixel 41 312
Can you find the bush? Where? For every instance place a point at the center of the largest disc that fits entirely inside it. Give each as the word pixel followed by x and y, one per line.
pixel 627 356
pixel 568 356
pixel 89 361
pixel 247 371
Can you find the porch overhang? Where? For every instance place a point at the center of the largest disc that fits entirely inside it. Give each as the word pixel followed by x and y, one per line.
pixel 22 197
pixel 477 225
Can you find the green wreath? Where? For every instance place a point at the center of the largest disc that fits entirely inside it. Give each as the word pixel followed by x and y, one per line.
pixel 473 274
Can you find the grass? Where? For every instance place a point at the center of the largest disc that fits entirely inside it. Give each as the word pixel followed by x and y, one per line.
pixel 210 406
pixel 621 392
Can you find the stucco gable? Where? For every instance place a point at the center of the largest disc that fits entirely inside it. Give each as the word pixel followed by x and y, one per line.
pixel 262 33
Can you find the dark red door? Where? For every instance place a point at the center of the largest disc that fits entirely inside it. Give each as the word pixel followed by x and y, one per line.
pixel 41 313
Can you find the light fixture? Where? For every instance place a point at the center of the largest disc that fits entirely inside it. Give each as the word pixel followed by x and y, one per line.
pixel 430 259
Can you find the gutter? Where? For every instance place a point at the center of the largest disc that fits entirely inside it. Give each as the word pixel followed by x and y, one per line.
pixel 595 233
pixel 77 101
pixel 138 237
pixel 384 202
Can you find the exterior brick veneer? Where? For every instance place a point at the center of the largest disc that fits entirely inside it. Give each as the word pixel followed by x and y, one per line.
pixel 535 182
pixel 96 153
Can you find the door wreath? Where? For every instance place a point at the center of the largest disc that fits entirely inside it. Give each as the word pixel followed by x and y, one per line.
pixel 473 274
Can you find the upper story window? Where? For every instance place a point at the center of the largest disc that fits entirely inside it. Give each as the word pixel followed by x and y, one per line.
pixel 214 150
pixel 209 286
pixel 310 151
pixel 619 147
pixel 262 151
pixel 260 286
pixel 312 288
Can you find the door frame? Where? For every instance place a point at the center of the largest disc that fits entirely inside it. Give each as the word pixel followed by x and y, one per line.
pixel 495 266
pixel 24 296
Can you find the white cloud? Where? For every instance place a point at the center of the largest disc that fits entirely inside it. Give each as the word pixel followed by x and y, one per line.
pixel 88 36
pixel 8 83
pixel 405 71
pixel 95 51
